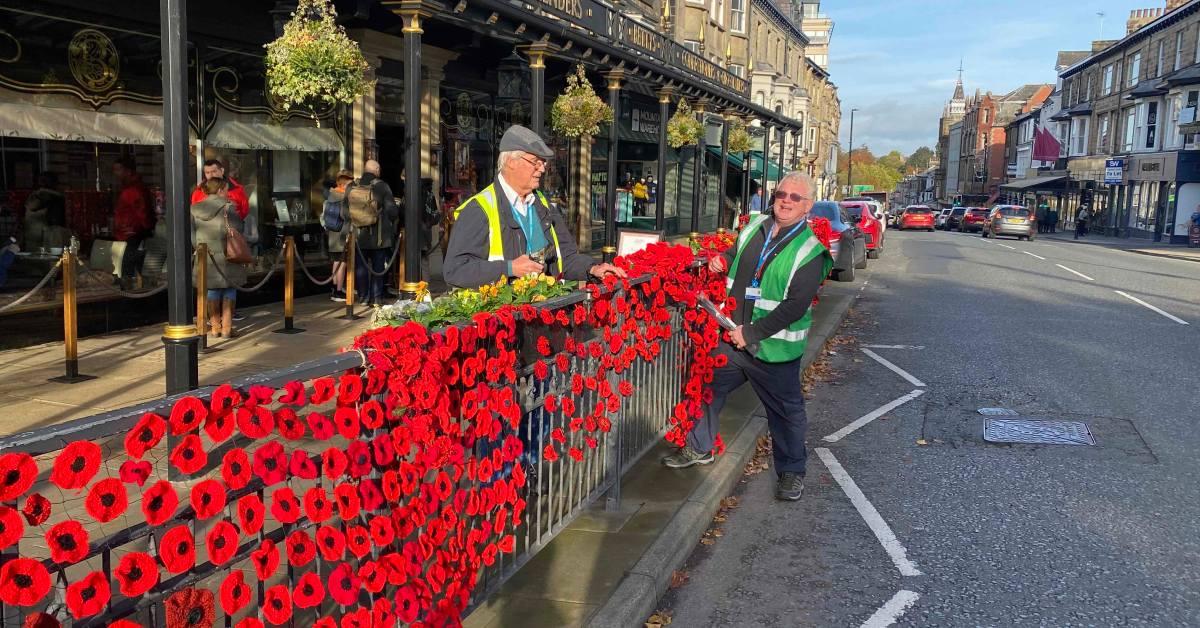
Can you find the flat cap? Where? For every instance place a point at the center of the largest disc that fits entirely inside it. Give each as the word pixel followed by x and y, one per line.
pixel 521 138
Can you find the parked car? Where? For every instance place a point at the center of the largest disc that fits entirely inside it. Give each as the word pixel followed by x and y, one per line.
pixel 917 217
pixel 1013 220
pixel 871 226
pixel 940 218
pixel 849 246
pixel 955 218
pixel 879 213
pixel 973 220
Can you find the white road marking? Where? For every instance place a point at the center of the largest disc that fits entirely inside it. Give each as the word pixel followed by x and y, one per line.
pixel 1141 302
pixel 890 612
pixel 895 369
pixel 894 346
pixel 878 526
pixel 1006 246
pixel 1034 255
pixel 1075 271
pixel 872 415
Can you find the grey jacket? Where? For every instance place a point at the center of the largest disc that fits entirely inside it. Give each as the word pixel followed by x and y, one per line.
pixel 382 234
pixel 208 227
pixel 467 264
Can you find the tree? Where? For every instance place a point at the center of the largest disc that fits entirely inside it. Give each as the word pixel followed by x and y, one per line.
pixel 919 160
pixel 893 160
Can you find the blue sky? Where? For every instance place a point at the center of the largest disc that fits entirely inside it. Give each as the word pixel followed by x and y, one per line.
pixel 896 60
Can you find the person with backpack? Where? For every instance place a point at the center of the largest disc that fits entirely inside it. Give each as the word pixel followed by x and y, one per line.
pixel 374 217
pixel 337 230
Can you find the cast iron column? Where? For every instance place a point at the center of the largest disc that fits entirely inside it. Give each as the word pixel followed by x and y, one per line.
pixel 766 168
pixel 537 89
pixel 412 13
pixel 747 161
pixel 782 141
pixel 610 225
pixel 660 198
pixel 726 119
pixel 180 337
pixel 698 170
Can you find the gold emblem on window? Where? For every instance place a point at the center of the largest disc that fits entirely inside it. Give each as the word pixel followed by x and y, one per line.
pixel 94 60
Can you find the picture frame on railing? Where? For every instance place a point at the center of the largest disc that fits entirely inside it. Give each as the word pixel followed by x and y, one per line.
pixel 630 241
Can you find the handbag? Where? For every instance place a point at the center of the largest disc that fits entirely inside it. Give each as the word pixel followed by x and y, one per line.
pixel 236 249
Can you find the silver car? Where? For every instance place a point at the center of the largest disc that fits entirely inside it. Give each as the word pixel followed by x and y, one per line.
pixel 1012 220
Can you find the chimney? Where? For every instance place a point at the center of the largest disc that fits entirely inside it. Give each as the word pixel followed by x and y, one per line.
pixel 1141 17
pixel 1175 4
pixel 1101 44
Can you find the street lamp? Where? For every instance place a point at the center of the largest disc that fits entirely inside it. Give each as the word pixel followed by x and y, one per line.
pixel 850 157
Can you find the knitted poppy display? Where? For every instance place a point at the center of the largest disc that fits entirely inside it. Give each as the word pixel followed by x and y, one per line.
pixel 219 427
pixel 137 573
pixel 234 592
pixel 348 502
pixel 372 414
pixel 325 622
pixel 23 582
pixel 208 499
pixel 346 421
pixel 300 548
pixel 293 394
pixel 159 503
pixel 68 542
pixel 285 508
pixel 145 435
pixel 317 505
pixel 250 622
pixel 135 472
pixel 277 605
pixel 374 575
pixel 309 592
pixel 11 527
pixel 270 463
pixel 256 422
pixel 223 401
pixel 190 608
pixel 76 465
pixel 322 428
pixel 177 549
pixel 370 494
pixel 107 500
pixel 302 466
pixel 187 415
pixel 89 595
pixel 290 426
pixel 236 469
pixel 251 514
pixel 189 455
pixel 407 606
pixel 124 623
pixel 42 620
pixel 331 542
pixel 382 532
pixel 359 455
pixel 333 463
pixel 265 560
pixel 221 542
pixel 344 584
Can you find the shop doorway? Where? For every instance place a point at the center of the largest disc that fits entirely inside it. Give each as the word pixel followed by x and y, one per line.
pixel 389 140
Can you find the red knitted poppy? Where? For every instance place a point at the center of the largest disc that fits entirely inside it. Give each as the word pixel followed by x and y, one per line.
pixel 11 527
pixel 177 549
pixel 300 548
pixel 251 514
pixel 208 499
pixel 290 426
pixel 277 605
pixel 189 455
pixel 284 505
pixel 187 415
pixel 221 542
pixel 190 608
pixel 137 573
pixel 234 592
pixel 159 503
pixel 68 542
pixel 23 582
pixel 89 595
pixel 265 559
pixel 236 469
pixel 145 435
pixel 270 463
pixel 76 465
pixel 343 584
pixel 309 592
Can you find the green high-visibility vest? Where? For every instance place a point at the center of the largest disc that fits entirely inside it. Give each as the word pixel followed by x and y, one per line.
pixel 789 343
pixel 487 200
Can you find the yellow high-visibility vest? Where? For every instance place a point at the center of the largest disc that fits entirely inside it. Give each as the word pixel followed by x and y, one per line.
pixel 487 200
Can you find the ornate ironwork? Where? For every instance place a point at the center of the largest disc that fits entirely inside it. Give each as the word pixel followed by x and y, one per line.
pixel 94 60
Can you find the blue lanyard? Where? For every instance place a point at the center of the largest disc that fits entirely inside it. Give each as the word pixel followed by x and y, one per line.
pixel 768 249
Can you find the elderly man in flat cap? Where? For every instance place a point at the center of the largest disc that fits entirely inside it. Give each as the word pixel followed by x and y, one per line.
pixel 509 228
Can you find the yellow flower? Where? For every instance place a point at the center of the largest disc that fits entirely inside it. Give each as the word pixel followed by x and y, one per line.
pixel 538 298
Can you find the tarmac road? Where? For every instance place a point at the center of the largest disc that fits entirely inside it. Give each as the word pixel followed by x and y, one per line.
pixel 1001 535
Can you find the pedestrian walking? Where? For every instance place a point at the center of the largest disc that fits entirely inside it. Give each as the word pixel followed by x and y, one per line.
pixel 374 217
pixel 215 169
pixel 335 220
pixel 756 200
pixel 1081 222
pixel 1053 220
pixel 509 229
pixel 1041 214
pixel 641 194
pixel 133 218
pixel 774 270
pixel 212 218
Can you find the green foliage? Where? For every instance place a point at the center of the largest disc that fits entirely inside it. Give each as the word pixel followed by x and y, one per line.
pixel 314 61
pixel 579 111
pixel 461 305
pixel 893 160
pixel 739 137
pixel 882 173
pixel 919 160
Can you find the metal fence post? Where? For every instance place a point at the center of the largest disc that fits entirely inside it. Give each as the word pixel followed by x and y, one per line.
pixel 289 271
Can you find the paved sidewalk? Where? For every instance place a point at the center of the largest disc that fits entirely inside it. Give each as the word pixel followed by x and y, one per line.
pixel 611 568
pixel 129 365
pixel 1132 245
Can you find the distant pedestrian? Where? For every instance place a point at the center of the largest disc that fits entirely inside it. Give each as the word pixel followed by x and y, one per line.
pixel 335 215
pixel 1040 214
pixel 756 201
pixel 1081 222
pixel 133 218
pixel 1053 220
pixel 373 212
pixel 212 217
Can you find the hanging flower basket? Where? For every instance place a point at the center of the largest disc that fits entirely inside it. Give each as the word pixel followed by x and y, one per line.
pixel 579 111
pixel 739 137
pixel 314 61
pixel 683 129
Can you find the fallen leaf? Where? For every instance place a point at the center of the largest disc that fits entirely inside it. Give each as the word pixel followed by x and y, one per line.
pixel 720 518
pixel 718 532
pixel 659 619
pixel 730 502
pixel 922 441
pixel 678 579
pixel 707 541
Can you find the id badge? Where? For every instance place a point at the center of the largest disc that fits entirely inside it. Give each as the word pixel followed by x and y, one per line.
pixel 753 294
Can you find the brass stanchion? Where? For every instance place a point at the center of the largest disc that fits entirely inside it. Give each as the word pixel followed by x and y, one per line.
pixel 70 320
pixel 289 270
pixel 400 263
pixel 350 255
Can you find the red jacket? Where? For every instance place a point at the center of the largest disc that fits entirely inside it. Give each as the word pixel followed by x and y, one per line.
pixel 134 214
pixel 236 195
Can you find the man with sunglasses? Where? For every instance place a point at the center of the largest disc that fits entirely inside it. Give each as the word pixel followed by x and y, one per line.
pixel 774 270
pixel 509 229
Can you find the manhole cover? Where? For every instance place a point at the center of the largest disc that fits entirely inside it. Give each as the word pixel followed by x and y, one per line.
pixel 1037 432
pixel 997 412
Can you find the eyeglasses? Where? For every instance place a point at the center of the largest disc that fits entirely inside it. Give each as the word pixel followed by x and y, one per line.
pixel 796 198
pixel 535 162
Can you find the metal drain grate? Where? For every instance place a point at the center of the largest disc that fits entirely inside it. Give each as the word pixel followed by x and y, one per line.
pixel 997 412
pixel 1037 432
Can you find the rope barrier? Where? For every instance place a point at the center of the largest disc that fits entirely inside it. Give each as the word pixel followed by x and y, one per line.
pixel 386 267
pixel 321 282
pixel 254 288
pixel 103 282
pixel 41 284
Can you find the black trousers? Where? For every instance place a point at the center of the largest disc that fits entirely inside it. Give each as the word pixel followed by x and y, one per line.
pixel 368 285
pixel 778 387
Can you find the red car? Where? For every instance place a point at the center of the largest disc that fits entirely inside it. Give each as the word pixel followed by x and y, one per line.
pixel 871 227
pixel 973 220
pixel 917 217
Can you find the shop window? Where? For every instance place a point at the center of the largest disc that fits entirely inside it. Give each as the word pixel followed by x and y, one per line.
pixel 1151 125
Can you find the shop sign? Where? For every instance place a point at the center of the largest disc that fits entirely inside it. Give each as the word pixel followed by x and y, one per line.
pixel 586 13
pixel 704 68
pixel 1151 166
pixel 1114 171
pixel 643 39
pixel 644 121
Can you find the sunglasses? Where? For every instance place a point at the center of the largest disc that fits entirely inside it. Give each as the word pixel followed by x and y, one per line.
pixel 795 198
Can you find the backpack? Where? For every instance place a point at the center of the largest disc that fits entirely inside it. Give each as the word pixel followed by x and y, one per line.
pixel 364 209
pixel 331 216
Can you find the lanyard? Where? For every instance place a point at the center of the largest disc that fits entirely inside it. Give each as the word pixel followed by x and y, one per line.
pixel 528 223
pixel 768 249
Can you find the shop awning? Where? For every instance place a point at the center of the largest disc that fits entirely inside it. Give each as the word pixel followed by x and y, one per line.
pixel 79 125
pixel 773 170
pixel 263 135
pixel 735 159
pixel 1035 182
